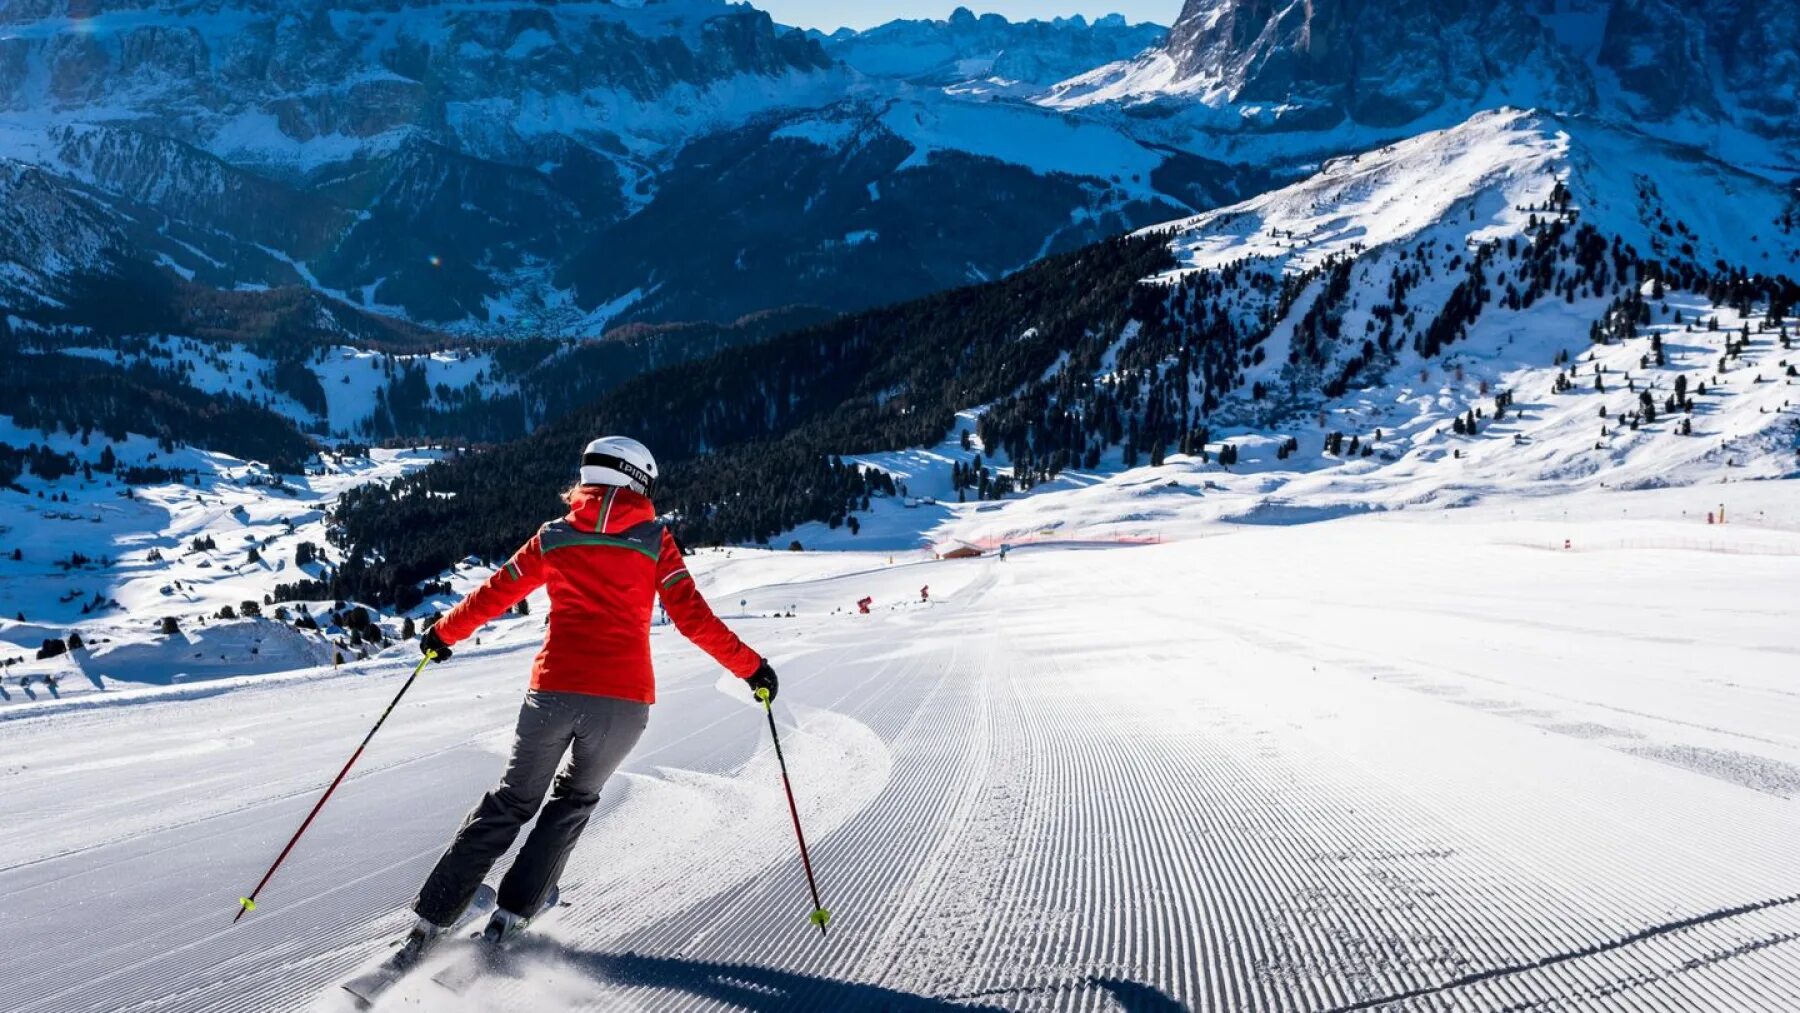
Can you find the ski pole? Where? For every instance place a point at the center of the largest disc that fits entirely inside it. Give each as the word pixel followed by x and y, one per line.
pixel 819 915
pixel 249 903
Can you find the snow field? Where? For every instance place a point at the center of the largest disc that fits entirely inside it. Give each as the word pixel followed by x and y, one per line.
pixel 1400 761
pixel 124 538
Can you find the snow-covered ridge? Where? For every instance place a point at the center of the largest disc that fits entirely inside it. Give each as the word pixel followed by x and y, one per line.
pixel 1480 180
pixel 1471 314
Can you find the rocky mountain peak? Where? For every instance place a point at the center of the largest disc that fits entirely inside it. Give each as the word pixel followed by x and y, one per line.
pixel 1303 64
pixel 1379 62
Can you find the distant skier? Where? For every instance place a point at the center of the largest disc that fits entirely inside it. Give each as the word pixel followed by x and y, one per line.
pixel 925 593
pixel 863 603
pixel 605 563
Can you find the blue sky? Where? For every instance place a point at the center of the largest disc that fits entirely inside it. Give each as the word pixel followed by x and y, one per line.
pixel 830 14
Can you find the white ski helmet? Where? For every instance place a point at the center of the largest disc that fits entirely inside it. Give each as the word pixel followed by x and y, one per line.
pixel 619 460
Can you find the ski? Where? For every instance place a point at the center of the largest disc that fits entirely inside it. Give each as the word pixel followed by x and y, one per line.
pixel 368 987
pixel 490 954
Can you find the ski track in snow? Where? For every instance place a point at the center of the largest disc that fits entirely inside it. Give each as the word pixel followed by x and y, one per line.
pixel 1375 763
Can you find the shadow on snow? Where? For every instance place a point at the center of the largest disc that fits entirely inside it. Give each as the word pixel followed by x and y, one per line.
pixel 766 989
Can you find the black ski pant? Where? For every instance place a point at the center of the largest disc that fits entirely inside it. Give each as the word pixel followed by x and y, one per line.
pixel 597 732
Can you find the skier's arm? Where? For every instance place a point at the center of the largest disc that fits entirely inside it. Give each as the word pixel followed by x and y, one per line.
pixel 522 574
pixel 694 618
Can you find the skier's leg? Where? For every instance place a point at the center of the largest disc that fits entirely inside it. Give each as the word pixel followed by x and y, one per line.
pixel 604 736
pixel 546 726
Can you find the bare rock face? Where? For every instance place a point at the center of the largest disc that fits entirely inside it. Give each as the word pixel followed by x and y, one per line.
pixel 1378 62
pixel 1761 57
pixel 409 153
pixel 1738 59
pixel 269 72
pixel 1314 63
pixel 1657 49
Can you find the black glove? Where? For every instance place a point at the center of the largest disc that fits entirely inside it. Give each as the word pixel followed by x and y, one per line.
pixel 763 678
pixel 433 646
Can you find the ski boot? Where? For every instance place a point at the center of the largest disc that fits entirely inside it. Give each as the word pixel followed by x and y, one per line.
pixel 503 927
pixel 418 942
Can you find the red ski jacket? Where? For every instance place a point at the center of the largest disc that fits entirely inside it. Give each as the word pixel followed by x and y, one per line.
pixel 605 564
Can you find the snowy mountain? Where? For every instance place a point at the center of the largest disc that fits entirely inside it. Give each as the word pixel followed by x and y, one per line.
pixel 1486 243
pixel 1250 64
pixel 987 54
pixel 1419 324
pixel 1511 304
pixel 503 168
pixel 291 87
pixel 426 159
pixel 1522 303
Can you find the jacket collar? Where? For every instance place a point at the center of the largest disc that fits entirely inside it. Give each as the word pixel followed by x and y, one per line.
pixel 608 509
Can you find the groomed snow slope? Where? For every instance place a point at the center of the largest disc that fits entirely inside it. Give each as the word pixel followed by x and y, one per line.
pixel 1401 762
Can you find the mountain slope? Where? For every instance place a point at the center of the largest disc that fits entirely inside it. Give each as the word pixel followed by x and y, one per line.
pixel 1675 203
pixel 767 419
pixel 1493 253
pixel 499 168
pixel 875 201
pixel 290 86
pixel 425 159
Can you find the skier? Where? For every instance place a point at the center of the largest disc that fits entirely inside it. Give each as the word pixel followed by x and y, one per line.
pixel 605 562
pixel 925 593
